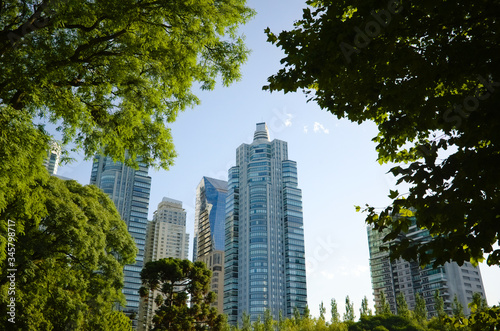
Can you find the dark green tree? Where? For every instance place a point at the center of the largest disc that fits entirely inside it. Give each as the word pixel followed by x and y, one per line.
pixel 69 260
pixel 383 307
pixel 420 311
pixel 402 306
pixel 439 305
pixel 384 323
pixel 335 312
pixel 364 310
pixel 185 288
pixel 457 308
pixel 322 311
pixel 349 311
pixel 428 75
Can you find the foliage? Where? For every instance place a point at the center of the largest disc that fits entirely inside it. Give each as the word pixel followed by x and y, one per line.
pixel 420 312
pixel 322 311
pixel 439 305
pixel 402 306
pixel 112 73
pixel 364 310
pixel 457 308
pixel 384 308
pixel 478 303
pixel 69 259
pixel 185 288
pixel 334 311
pixel 349 311
pixel 428 75
pixel 384 322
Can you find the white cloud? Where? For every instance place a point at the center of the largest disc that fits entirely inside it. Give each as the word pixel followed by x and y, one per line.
pixel 305 129
pixel 318 127
pixel 288 121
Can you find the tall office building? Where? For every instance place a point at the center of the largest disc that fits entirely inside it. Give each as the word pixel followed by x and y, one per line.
pixel 129 189
pixel 407 277
pixel 53 158
pixel 264 243
pixel 209 219
pixel 166 237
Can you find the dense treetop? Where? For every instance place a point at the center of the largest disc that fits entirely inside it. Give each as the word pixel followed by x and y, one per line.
pixel 428 74
pixel 68 260
pixel 113 73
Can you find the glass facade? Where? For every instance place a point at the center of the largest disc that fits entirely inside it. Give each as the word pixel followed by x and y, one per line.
pixel 265 256
pixel 209 217
pixel 407 277
pixel 210 212
pixel 130 190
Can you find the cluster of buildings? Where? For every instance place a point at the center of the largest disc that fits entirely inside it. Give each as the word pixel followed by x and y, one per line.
pixel 249 232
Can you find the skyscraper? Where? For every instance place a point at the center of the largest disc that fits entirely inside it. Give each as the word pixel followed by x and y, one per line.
pixel 409 278
pixel 264 245
pixel 53 158
pixel 209 219
pixel 129 189
pixel 166 237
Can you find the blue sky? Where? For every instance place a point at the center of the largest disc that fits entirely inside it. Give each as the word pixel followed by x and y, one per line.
pixel 336 159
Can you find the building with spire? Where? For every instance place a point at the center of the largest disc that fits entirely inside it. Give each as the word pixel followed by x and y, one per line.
pixel 129 189
pixel 264 245
pixel 209 219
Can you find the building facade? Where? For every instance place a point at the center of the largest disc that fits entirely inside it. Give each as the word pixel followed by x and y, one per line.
pixel 166 237
pixel 264 234
pixel 409 278
pixel 130 190
pixel 53 158
pixel 209 219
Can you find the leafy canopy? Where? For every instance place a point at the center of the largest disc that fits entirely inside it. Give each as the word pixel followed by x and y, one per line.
pixel 111 74
pixel 427 73
pixel 69 260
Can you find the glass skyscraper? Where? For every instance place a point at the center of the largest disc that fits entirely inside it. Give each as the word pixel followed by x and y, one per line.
pixel 264 238
pixel 209 219
pixel 129 189
pixel 407 277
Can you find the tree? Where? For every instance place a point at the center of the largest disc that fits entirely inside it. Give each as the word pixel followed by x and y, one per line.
pixel 420 311
pixel 322 311
pixel 383 307
pixel 478 303
pixel 439 305
pixel 349 311
pixel 110 74
pixel 269 322
pixel 185 288
pixel 402 306
pixel 384 323
pixel 365 311
pixel 69 260
pixel 360 59
pixel 334 311
pixel 457 308
pixel 247 325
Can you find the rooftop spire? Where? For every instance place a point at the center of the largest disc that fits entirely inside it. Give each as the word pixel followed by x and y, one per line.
pixel 261 132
